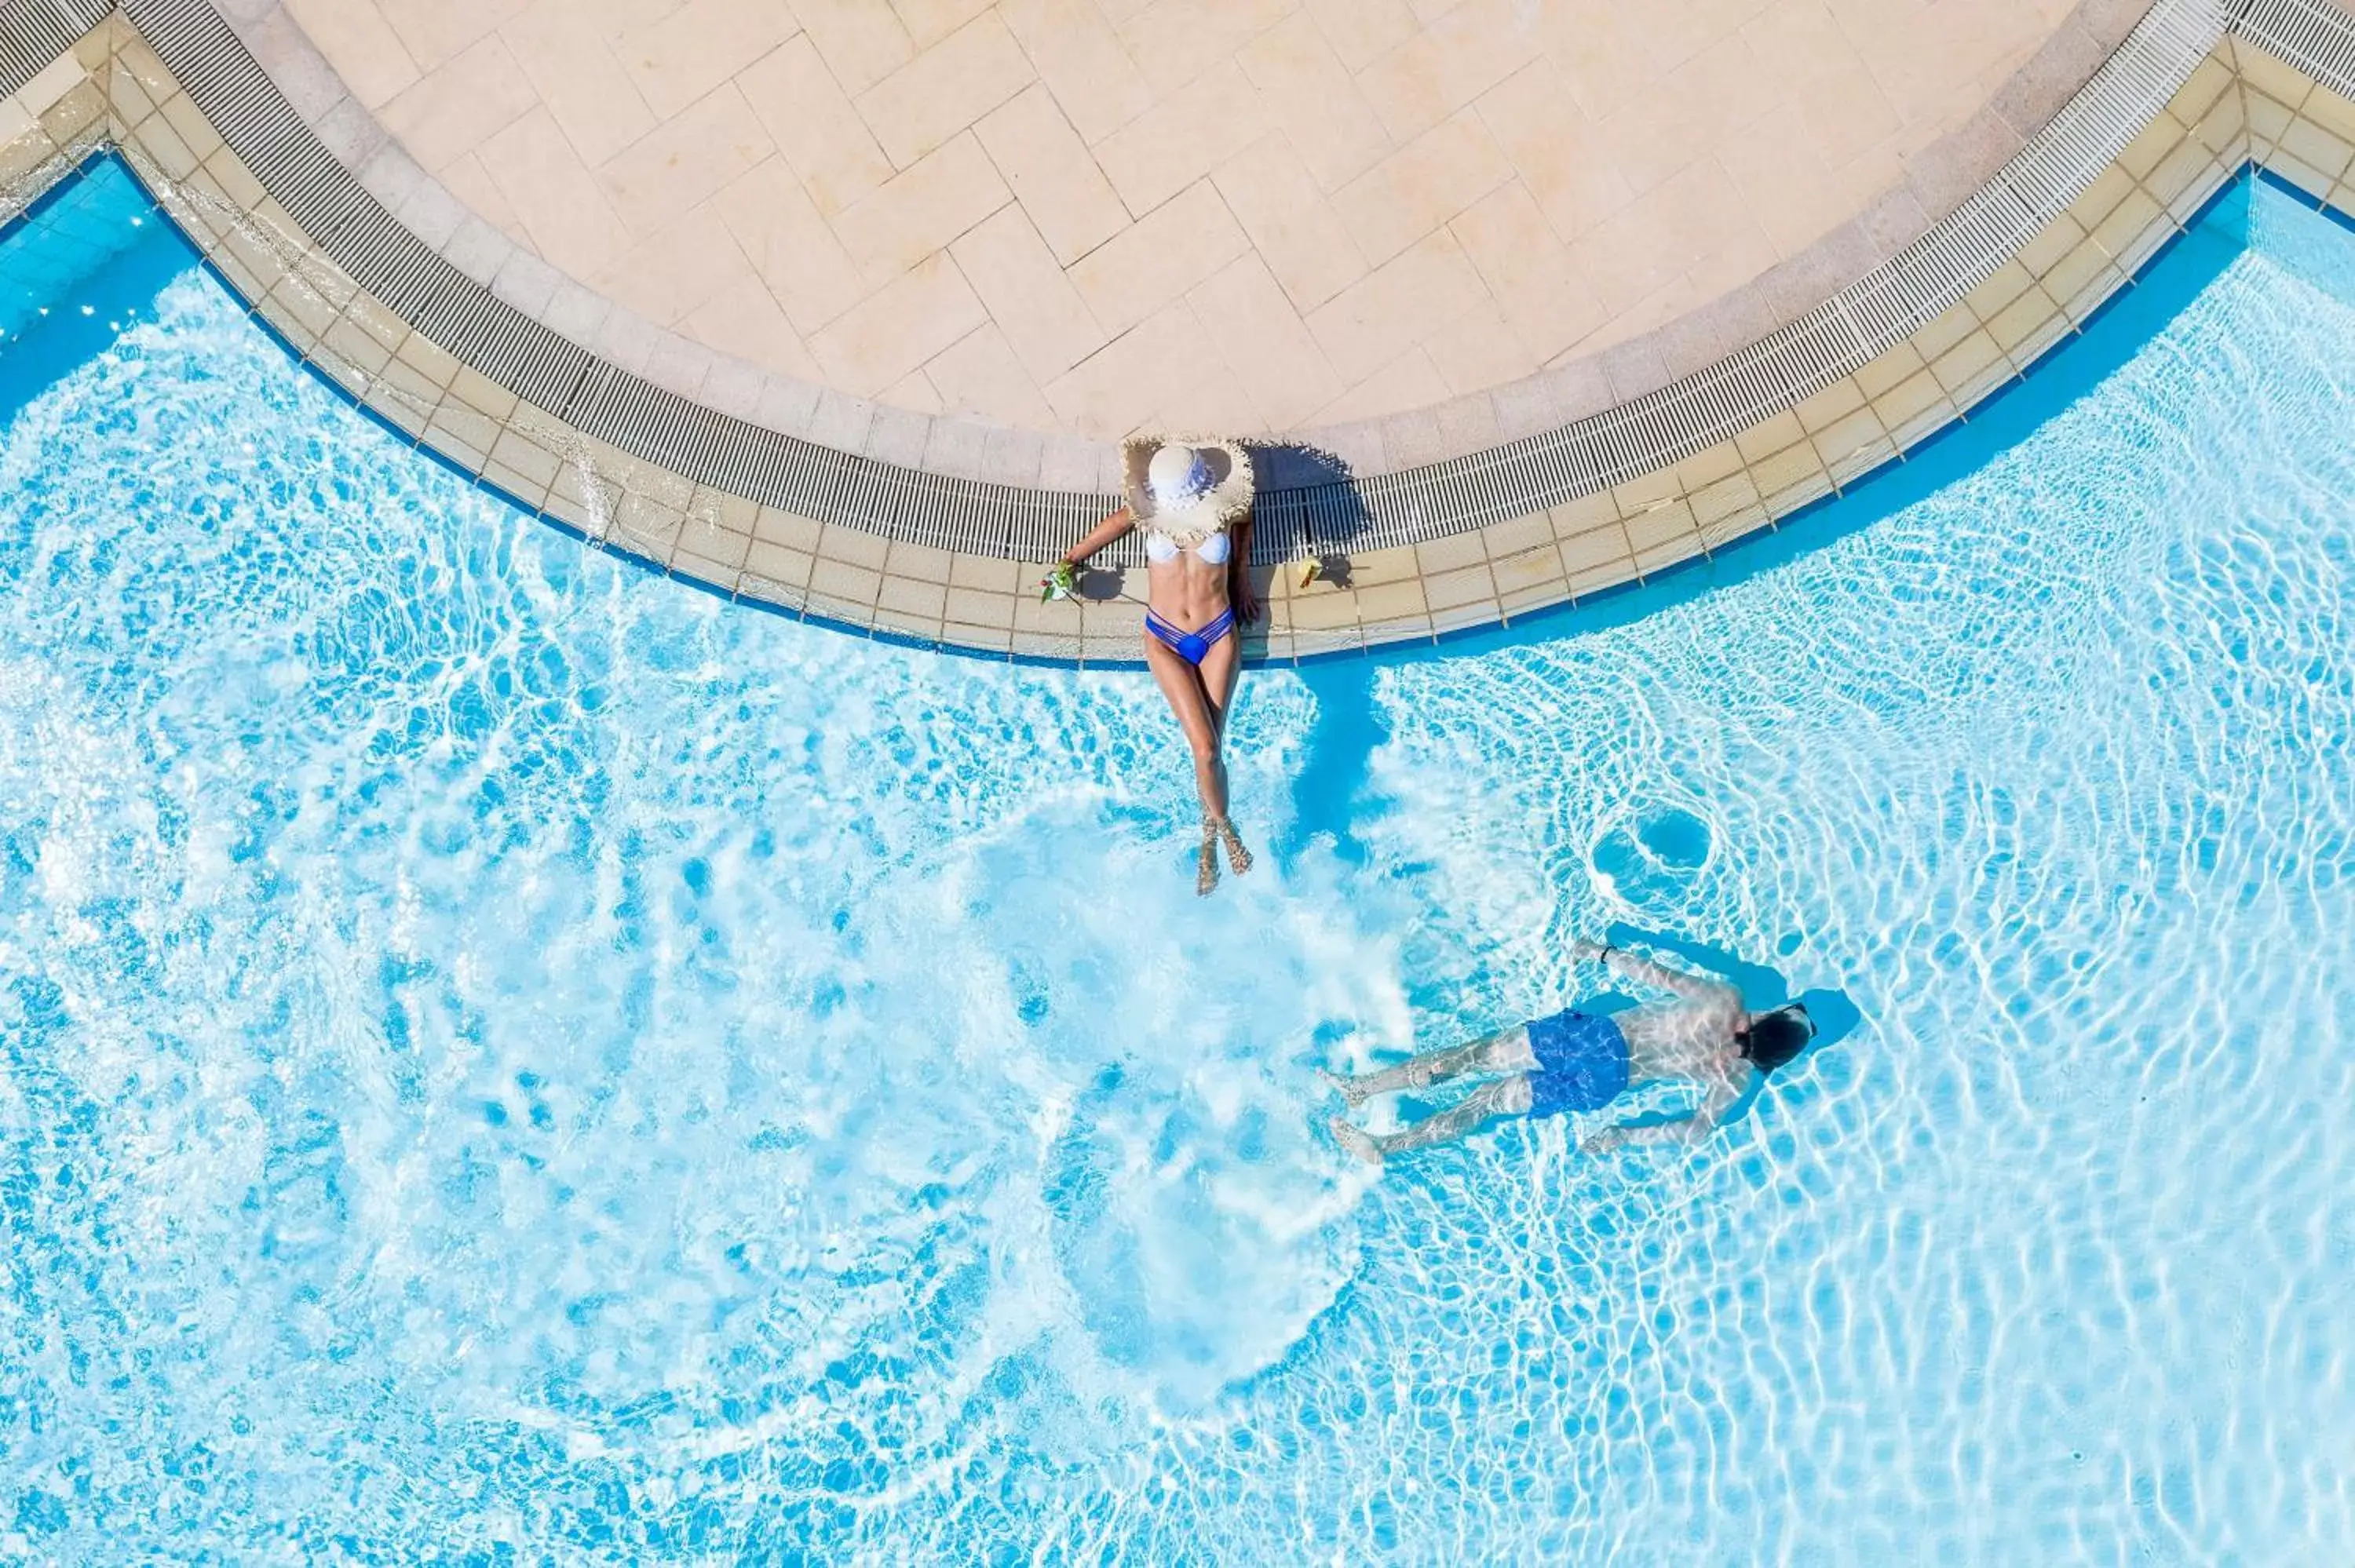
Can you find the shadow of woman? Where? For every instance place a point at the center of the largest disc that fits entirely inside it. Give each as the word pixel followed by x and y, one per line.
pixel 1308 508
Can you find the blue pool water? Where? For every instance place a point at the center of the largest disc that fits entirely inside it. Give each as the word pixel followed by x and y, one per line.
pixel 504 1057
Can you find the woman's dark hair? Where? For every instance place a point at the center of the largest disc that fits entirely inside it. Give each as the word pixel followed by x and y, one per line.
pixel 1773 1038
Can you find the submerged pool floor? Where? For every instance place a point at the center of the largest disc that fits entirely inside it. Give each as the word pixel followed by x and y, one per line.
pixel 498 1050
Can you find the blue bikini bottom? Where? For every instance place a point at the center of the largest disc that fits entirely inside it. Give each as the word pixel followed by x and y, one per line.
pixel 1191 646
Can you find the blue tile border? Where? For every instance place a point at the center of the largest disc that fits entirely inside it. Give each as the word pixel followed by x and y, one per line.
pixel 1667 586
pixel 2169 12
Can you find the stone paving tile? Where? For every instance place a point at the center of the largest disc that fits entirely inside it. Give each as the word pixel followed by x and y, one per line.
pixel 435 31
pixel 1071 45
pixel 1262 339
pixel 945 88
pixel 1409 381
pixel 1217 397
pixel 912 394
pixel 1034 305
pixel 1598 169
pixel 914 216
pixel 1120 385
pixel 1777 164
pixel 861 41
pixel 577 75
pixel 450 112
pixel 1528 271
pixel 1448 63
pixel 679 58
pixel 980 374
pixel 1555 149
pixel 684 160
pixel 797 253
pixel 1313 100
pixel 1422 186
pixel 683 265
pixel 895 331
pixel 1181 138
pixel 816 127
pixel 743 318
pixel 1052 174
pixel 1804 46
pixel 1705 98
pixel 1177 42
pixel 471 183
pixel 552 195
pixel 1150 263
pixel 929 21
pixel 376 64
pixel 1373 320
pixel 1661 237
pixel 1362 31
pixel 1299 237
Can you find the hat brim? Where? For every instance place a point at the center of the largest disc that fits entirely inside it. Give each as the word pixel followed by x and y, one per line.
pixel 1225 503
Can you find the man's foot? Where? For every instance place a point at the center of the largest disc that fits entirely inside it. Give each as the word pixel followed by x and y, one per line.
pixel 1356 1140
pixel 1342 1084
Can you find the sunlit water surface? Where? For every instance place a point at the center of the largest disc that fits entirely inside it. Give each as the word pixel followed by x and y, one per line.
pixel 499 1049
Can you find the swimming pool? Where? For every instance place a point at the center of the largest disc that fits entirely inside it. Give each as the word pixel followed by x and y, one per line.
pixel 502 1052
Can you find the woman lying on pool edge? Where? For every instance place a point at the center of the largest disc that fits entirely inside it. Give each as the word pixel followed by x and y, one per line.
pixel 1575 1061
pixel 1193 501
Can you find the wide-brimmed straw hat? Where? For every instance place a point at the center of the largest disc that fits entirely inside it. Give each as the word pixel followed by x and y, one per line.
pixel 1186 487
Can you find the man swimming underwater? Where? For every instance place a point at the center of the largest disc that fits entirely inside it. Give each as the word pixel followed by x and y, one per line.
pixel 1576 1061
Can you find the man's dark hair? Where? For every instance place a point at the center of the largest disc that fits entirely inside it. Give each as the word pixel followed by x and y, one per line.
pixel 1773 1038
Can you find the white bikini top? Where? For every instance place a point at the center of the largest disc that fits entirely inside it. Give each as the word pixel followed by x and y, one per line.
pixel 1161 549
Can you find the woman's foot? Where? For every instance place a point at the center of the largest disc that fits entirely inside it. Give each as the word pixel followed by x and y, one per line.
pixel 1356 1140
pixel 1206 865
pixel 1238 858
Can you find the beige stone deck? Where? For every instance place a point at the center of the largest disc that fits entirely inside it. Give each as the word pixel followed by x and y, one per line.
pixel 1096 215
pixel 1665 449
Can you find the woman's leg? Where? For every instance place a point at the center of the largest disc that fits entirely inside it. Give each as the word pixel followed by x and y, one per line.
pixel 1507 1050
pixel 1219 668
pixel 1182 689
pixel 1506 1096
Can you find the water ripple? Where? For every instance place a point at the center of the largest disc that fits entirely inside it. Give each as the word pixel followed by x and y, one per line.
pixel 497 1052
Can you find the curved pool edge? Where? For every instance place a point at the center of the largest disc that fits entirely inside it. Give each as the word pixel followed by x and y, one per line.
pixel 2239 105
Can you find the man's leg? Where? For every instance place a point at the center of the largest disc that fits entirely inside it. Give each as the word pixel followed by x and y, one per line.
pixel 1506 1050
pixel 1506 1096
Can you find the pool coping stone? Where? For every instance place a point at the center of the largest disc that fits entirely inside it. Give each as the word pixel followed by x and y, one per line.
pixel 2269 88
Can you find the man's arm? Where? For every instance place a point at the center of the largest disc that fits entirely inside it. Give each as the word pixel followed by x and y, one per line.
pixel 1644 971
pixel 1692 1128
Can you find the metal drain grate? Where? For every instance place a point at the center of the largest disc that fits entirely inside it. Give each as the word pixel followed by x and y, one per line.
pixel 33 33
pixel 1633 439
pixel 2315 35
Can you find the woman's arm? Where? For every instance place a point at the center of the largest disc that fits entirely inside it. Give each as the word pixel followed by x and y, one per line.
pixel 1102 534
pixel 1644 971
pixel 1239 580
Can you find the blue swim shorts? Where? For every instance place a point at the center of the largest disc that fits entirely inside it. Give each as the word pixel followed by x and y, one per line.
pixel 1581 1062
